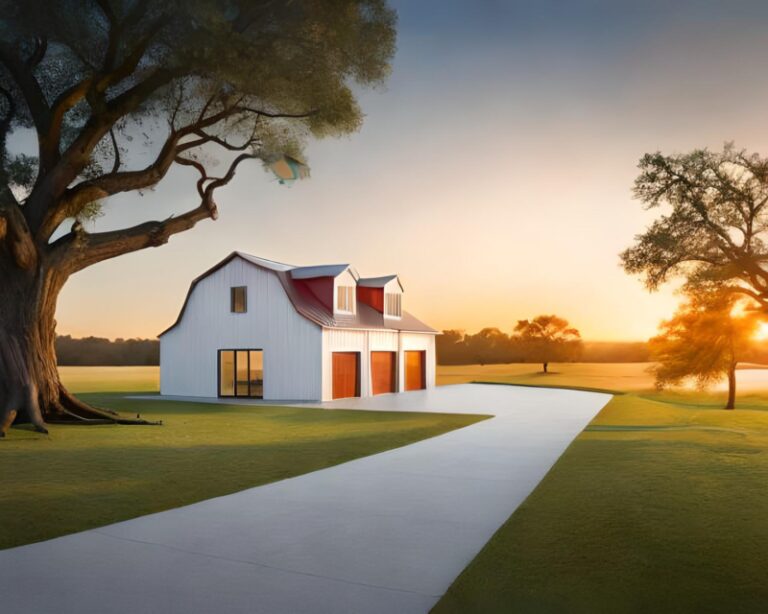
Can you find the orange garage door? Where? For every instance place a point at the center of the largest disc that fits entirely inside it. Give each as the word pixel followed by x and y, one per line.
pixel 346 374
pixel 415 370
pixel 383 372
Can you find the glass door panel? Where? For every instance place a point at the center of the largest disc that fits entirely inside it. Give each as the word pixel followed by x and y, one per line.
pixel 256 369
pixel 241 373
pixel 227 373
pixel 241 384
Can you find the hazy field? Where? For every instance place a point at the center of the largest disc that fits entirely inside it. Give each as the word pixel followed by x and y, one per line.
pixel 620 376
pixel 624 377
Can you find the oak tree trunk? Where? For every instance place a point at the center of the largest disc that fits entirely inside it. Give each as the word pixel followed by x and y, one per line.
pixel 731 403
pixel 546 367
pixel 30 388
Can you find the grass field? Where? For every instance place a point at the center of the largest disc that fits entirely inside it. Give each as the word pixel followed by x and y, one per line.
pixel 660 505
pixel 81 477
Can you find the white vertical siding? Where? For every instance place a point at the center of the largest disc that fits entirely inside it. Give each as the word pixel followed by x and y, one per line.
pixel 292 344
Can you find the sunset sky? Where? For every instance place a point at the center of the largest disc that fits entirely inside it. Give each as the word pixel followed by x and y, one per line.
pixel 493 172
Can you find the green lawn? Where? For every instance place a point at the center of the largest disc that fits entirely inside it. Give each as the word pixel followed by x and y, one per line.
pixel 81 477
pixel 661 505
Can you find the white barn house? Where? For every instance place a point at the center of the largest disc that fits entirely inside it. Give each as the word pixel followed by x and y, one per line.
pixel 251 327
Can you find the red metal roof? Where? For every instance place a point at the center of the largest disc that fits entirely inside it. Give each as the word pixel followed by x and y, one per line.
pixel 309 306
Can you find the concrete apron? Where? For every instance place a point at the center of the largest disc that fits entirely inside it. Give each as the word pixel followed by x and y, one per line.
pixel 384 533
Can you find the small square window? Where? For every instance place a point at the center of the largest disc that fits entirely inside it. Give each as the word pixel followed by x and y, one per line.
pixel 237 301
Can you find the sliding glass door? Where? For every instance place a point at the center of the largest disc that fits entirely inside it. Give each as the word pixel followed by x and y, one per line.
pixel 241 373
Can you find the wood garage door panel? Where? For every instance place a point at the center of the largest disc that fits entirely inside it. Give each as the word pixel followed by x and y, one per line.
pixel 415 370
pixel 383 374
pixel 346 375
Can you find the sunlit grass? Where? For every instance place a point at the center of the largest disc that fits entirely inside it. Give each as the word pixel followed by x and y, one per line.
pixel 106 379
pixel 660 505
pixel 620 377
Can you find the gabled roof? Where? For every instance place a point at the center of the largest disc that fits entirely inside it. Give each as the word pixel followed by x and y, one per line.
pixel 263 262
pixel 307 305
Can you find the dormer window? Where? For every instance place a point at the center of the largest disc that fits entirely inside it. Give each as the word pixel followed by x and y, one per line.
pixel 237 300
pixel 345 299
pixel 393 306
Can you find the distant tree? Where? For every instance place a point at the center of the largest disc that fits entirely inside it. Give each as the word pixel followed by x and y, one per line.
pixel 98 351
pixel 450 347
pixel 703 341
pixel 488 346
pixel 193 83
pixel 715 233
pixel 548 338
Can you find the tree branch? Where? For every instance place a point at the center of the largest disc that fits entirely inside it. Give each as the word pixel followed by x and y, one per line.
pixel 88 249
pixel 31 91
pixel 107 185
pixel 41 46
pixel 5 123
pixel 116 163
pixel 94 86
pixel 49 191
pixel 15 233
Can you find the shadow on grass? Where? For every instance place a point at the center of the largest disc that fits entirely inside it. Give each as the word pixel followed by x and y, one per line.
pixel 81 477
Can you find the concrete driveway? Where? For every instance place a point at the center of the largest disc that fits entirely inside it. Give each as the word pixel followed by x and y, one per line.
pixel 384 533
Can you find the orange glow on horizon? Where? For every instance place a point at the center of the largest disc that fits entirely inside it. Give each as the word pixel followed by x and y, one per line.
pixel 761 333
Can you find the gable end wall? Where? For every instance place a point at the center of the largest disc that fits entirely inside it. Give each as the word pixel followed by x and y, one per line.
pixel 292 344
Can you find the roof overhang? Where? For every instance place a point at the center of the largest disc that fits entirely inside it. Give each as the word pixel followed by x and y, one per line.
pixel 379 282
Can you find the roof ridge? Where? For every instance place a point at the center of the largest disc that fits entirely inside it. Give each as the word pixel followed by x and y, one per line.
pixel 247 255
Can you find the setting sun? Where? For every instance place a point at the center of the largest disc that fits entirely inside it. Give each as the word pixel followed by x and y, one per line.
pixel 762 331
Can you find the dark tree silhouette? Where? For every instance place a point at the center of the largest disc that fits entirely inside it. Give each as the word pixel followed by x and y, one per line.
pixel 231 80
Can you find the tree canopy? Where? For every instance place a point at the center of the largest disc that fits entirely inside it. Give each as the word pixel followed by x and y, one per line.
pixel 713 230
pixel 199 78
pixel 550 339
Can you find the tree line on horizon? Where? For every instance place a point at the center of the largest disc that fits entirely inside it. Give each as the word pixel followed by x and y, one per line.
pixel 98 351
pixel 493 346
pixel 454 347
pixel 544 339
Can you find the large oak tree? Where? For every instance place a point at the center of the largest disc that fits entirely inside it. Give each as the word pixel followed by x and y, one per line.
pixel 204 80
